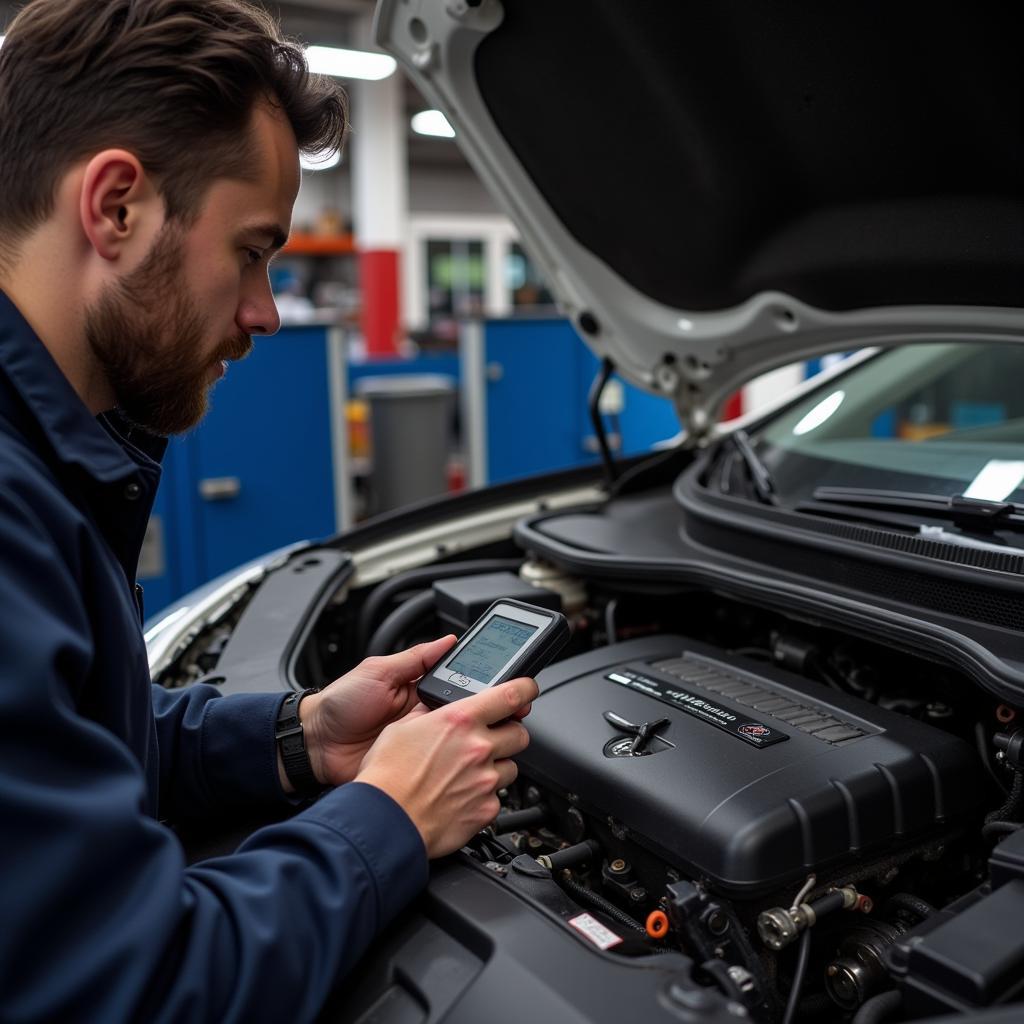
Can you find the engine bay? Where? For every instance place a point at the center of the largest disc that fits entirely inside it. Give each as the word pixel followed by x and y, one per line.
pixel 784 804
pixel 791 819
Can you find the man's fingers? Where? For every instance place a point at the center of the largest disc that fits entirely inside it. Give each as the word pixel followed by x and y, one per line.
pixel 508 740
pixel 499 702
pixel 508 772
pixel 408 666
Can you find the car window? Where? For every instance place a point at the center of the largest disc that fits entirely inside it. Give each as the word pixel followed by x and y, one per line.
pixel 944 418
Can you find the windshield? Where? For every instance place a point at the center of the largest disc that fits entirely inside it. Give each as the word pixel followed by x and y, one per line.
pixel 939 419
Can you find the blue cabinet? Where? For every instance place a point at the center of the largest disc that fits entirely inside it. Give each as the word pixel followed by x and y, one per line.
pixel 257 473
pixel 531 416
pixel 535 391
pixel 262 459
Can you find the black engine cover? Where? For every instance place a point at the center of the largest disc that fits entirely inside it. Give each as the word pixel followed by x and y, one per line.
pixel 758 777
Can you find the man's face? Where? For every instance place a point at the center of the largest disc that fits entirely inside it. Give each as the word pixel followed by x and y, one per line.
pixel 163 333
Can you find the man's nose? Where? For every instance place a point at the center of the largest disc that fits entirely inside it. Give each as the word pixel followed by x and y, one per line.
pixel 258 313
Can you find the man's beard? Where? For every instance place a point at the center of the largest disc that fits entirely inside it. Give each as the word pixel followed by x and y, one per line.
pixel 147 335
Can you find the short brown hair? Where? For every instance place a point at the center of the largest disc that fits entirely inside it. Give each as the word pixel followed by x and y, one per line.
pixel 173 81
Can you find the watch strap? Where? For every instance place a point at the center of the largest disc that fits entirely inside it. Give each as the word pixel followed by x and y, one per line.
pixel 291 742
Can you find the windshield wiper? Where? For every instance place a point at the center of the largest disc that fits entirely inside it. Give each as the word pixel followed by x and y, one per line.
pixel 967 513
pixel 764 488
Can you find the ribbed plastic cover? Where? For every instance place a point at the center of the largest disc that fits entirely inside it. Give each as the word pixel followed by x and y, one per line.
pixel 748 797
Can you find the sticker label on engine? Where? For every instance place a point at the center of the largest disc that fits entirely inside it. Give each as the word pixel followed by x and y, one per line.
pixel 757 734
pixel 603 938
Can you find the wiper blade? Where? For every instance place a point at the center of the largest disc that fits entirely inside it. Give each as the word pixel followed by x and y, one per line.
pixel 764 488
pixel 967 513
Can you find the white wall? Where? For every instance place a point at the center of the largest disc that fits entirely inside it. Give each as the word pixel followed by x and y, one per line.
pixel 320 190
pixel 448 190
pixel 432 190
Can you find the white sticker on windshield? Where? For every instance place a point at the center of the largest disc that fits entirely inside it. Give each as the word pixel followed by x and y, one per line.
pixel 603 938
pixel 997 480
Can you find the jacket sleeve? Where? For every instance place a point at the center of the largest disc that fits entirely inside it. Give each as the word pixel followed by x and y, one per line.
pixel 103 920
pixel 216 752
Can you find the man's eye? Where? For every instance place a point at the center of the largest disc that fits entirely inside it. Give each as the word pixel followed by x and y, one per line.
pixel 254 255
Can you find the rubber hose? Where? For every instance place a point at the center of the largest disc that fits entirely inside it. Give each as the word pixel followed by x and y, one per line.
pixel 651 465
pixel 999 828
pixel 585 895
pixel 981 741
pixel 512 821
pixel 827 904
pixel 396 626
pixel 878 1008
pixel 798 977
pixel 1011 810
pixel 415 578
pixel 594 405
pixel 905 901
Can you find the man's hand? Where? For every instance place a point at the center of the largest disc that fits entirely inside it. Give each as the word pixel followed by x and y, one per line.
pixel 342 721
pixel 444 767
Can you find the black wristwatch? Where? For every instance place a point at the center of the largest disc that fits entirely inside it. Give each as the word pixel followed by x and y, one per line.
pixel 292 744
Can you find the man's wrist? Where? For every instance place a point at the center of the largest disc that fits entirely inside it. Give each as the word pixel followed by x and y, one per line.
pixel 310 726
pixel 295 768
pixel 396 796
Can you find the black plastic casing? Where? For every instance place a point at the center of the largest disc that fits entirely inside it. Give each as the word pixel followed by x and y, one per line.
pixel 476 949
pixel 967 956
pixel 750 820
pixel 463 599
pixel 435 692
pixel 970 954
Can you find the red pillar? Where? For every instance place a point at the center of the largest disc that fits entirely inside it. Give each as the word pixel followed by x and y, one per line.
pixel 378 282
pixel 380 204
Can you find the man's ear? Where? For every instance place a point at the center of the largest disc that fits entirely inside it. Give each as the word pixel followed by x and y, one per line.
pixel 115 201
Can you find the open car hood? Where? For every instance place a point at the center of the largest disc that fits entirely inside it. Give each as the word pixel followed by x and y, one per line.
pixel 713 190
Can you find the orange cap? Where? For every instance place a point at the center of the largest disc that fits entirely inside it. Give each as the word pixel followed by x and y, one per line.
pixel 657 924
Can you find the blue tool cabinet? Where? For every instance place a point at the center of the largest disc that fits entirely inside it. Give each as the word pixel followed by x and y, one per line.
pixel 535 376
pixel 255 475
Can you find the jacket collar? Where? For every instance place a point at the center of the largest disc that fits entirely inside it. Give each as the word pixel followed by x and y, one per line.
pixel 104 447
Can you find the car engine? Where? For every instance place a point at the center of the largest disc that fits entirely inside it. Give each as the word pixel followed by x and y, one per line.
pixel 751 780
pixel 703 796
pixel 732 789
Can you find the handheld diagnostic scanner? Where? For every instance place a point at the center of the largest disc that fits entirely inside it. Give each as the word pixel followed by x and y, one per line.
pixel 511 639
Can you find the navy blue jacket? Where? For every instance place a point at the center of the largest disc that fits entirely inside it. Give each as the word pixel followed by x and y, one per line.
pixel 102 920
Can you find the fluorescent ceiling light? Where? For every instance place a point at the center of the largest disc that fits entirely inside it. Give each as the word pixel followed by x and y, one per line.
pixel 998 479
pixel 320 161
pixel 432 122
pixel 330 60
pixel 821 412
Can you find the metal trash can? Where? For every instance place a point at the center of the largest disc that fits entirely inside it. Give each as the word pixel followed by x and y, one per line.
pixel 410 428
